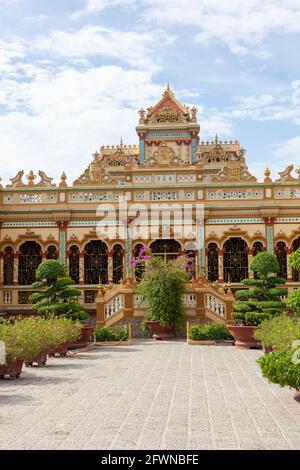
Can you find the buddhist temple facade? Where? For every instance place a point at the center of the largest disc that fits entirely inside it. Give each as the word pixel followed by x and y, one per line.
pixel 169 165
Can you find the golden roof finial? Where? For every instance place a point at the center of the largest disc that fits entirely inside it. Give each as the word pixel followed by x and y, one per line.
pixel 31 177
pixel 216 138
pixel 63 178
pixel 121 143
pixel 267 174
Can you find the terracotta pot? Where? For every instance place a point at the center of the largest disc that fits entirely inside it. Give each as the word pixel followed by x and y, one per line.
pixel 13 369
pixel 243 336
pixel 61 350
pixel 84 339
pixel 40 359
pixel 296 396
pixel 268 349
pixel 160 332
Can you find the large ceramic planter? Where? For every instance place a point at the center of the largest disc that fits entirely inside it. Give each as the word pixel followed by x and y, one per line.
pixel 61 350
pixel 160 332
pixel 40 359
pixel 13 369
pixel 84 339
pixel 296 396
pixel 243 336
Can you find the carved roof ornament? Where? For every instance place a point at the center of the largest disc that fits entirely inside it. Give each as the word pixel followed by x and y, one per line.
pixel 17 181
pixel 298 172
pixel 164 156
pixel 63 178
pixel 285 175
pixel 45 181
pixel 94 173
pixel 234 172
pixel 267 174
pixel 31 177
pixel 221 152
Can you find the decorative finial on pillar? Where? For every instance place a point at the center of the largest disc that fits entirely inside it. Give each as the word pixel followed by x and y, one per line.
pixel 121 143
pixel 216 139
pixel 63 178
pixel 267 174
pixel 31 177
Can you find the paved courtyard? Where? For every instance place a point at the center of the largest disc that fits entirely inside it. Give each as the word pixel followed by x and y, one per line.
pixel 151 395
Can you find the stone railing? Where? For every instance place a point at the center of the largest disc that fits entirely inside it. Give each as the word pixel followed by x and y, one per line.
pixel 113 306
pixel 190 300
pixel 215 305
pixel 138 302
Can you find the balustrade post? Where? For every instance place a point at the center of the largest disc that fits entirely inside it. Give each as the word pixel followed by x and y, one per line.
pixel 128 303
pixel 200 307
pixel 100 313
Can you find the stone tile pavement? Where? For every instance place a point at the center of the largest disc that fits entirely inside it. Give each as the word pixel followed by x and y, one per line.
pixel 151 395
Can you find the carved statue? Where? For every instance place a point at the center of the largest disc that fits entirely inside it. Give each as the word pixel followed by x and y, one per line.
pixel 285 175
pixel 164 156
pixel 45 181
pixel 17 180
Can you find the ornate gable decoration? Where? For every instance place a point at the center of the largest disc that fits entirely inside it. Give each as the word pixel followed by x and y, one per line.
pixel 164 156
pixel 285 175
pixel 167 111
pixel 234 172
pixel 94 174
pixel 44 182
pixel 221 152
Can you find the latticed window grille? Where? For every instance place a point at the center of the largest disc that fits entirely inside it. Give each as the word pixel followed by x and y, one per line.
pixel 295 246
pixel 29 259
pixel 8 266
pixel 117 264
pixel 212 262
pixel 282 259
pixel 52 252
pixel 235 260
pixel 168 249
pixel 74 263
pixel 96 263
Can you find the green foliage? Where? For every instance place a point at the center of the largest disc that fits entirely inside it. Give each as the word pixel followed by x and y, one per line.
pixel 108 334
pixel 57 295
pixel 25 338
pixel 294 259
pixel 211 331
pixel 263 299
pixel 278 332
pixel 294 300
pixel 279 368
pixel 264 264
pixel 162 287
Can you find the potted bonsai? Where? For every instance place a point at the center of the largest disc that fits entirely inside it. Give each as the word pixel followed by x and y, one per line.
pixel 260 302
pixel 283 368
pixel 58 296
pixel 162 287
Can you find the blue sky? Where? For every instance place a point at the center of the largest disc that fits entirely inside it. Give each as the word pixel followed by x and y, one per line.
pixel 74 73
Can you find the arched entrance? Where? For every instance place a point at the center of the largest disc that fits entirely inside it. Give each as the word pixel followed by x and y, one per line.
pixel 235 260
pixel 168 249
pixel 96 262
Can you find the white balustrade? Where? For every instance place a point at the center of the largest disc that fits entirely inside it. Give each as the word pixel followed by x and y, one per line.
pixel 215 305
pixel 190 300
pixel 7 297
pixel 138 301
pixel 115 305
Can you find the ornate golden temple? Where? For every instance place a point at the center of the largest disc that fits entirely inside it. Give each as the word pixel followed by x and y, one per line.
pixel 242 216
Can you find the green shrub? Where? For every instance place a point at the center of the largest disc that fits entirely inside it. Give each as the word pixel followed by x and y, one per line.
pixel 278 332
pixel 263 264
pixel 108 334
pixel 211 331
pixel 255 318
pixel 279 368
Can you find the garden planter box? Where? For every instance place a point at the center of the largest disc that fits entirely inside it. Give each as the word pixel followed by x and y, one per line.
pixel 84 339
pixel 159 332
pixel 126 342
pixel 13 369
pixel 206 342
pixel 40 359
pixel 60 350
pixel 243 336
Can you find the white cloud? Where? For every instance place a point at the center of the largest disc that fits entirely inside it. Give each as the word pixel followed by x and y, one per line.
pixel 288 152
pixel 98 5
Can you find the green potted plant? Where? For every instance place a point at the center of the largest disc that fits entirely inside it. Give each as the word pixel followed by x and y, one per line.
pixel 62 331
pixel 162 287
pixel 278 333
pixel 103 334
pixel 58 296
pixel 260 302
pixel 208 334
pixel 283 368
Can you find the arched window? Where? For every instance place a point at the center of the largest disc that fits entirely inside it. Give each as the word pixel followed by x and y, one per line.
pixel 74 263
pixel 295 246
pixel 8 266
pixel 257 248
pixel 139 268
pixel 29 259
pixel 169 249
pixel 235 260
pixel 212 262
pixel 117 264
pixel 96 263
pixel 281 255
pixel 52 252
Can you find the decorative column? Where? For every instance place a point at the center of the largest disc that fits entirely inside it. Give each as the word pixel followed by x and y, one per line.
pixel 44 255
pixel 269 224
pixel 1 267
pixel 201 247
pixel 221 264
pixel 110 267
pixel 194 150
pixel 62 226
pixel 16 268
pixel 289 268
pixel 250 257
pixel 128 251
pixel 81 267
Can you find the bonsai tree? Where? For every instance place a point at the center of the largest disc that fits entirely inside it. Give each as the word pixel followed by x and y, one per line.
pixel 294 298
pixel 162 287
pixel 57 295
pixel 263 299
